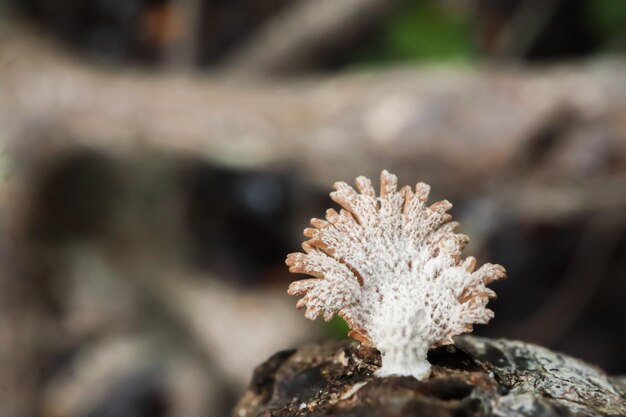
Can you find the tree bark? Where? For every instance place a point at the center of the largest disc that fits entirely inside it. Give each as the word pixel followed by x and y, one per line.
pixel 476 377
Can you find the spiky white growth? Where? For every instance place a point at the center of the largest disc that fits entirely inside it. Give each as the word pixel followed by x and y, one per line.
pixel 391 267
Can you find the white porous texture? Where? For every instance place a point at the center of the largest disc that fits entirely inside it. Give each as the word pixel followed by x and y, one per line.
pixel 391 266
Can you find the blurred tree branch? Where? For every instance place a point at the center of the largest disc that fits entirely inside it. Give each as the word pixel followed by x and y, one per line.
pixel 305 31
pixel 516 37
pixel 453 128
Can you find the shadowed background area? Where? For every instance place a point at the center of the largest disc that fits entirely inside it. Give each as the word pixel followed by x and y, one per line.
pixel 160 158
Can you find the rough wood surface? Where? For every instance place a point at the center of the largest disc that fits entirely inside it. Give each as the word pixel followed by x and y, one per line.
pixel 476 377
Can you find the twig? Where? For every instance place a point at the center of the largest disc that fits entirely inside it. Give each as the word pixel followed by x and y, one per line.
pixel 183 52
pixel 524 27
pixel 305 32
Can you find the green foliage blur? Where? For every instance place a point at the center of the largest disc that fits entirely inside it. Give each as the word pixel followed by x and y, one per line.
pixel 337 328
pixel 421 31
pixel 433 31
pixel 609 20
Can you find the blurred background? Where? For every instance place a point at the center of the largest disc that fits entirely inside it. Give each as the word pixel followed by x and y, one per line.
pixel 159 159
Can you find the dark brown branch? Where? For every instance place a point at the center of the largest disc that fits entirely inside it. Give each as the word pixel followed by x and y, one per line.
pixel 305 32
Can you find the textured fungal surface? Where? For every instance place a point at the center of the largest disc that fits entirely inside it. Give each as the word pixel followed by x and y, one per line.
pixel 391 266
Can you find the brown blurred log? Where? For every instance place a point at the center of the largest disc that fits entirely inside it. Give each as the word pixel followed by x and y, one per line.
pixel 451 127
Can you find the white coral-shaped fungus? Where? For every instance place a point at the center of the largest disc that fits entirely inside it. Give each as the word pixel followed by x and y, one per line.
pixel 391 267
